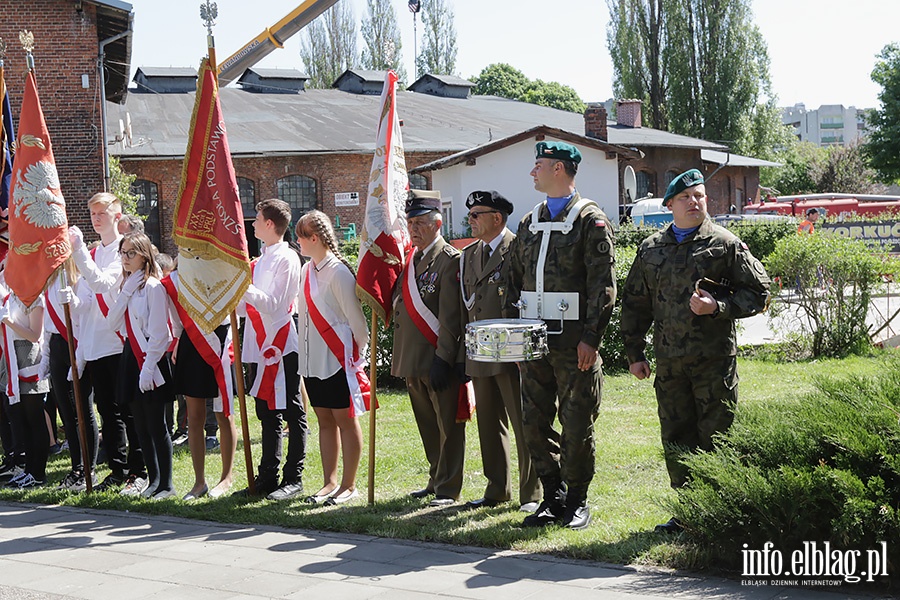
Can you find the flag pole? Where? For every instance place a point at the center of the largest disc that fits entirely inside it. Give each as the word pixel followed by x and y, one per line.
pixel 208 13
pixel 76 387
pixel 373 402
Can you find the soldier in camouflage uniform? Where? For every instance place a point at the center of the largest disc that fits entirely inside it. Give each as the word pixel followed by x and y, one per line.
pixel 693 323
pixel 567 381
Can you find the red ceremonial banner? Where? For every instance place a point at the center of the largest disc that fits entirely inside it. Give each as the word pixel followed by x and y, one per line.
pixel 385 239
pixel 209 223
pixel 38 228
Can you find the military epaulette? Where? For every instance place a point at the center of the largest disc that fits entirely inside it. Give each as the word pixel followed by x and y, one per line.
pixel 450 250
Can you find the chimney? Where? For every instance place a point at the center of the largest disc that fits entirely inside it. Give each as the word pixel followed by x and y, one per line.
pixel 595 122
pixel 628 113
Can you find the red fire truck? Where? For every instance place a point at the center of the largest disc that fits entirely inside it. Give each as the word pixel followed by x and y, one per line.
pixel 834 206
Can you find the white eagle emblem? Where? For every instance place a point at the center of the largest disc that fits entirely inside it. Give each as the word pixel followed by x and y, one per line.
pixel 38 194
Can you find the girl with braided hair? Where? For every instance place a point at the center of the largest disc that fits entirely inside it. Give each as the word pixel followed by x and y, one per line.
pixel 333 333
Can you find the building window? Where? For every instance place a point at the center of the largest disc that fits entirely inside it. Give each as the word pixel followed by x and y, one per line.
pixel 644 184
pixel 247 193
pixel 418 182
pixel 670 175
pixel 299 192
pixel 147 194
pixel 447 216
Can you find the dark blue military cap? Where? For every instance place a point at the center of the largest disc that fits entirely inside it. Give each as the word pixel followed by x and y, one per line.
pixel 421 202
pixel 490 199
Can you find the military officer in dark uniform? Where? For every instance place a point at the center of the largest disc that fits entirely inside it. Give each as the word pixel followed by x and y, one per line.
pixel 484 273
pixel 561 271
pixel 690 281
pixel 428 349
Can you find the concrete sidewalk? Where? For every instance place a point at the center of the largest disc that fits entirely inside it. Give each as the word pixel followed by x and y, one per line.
pixel 49 552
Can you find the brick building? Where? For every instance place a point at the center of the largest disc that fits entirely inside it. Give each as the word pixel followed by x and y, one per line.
pixel 72 37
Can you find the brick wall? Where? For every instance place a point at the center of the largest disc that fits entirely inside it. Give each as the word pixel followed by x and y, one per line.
pixel 66 47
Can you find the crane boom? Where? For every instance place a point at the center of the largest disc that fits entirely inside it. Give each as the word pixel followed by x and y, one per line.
pixel 270 39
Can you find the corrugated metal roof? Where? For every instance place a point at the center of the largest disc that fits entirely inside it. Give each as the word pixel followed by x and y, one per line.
pixel 277 73
pixel 445 79
pixel 167 72
pixel 328 121
pixel 734 160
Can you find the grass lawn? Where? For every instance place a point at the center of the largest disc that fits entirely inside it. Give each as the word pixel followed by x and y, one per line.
pixel 625 495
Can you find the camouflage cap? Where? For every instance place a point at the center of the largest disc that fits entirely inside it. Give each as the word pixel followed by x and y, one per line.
pixel 557 150
pixel 689 178
pixel 421 202
pixel 490 199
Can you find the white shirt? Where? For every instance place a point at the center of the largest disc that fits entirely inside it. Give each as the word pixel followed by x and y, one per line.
pixel 19 316
pixel 149 307
pixel 337 294
pixel 276 283
pixel 102 274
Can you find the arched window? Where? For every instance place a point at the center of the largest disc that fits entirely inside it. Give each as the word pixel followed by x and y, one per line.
pixel 147 194
pixel 299 192
pixel 644 183
pixel 247 193
pixel 418 182
pixel 670 175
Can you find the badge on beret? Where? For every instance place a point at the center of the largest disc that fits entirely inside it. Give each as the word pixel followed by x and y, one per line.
pixel 688 179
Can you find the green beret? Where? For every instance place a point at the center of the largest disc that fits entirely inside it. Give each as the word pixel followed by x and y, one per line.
pixel 689 178
pixel 557 150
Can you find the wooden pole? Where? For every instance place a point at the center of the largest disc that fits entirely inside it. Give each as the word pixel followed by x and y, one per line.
pixel 373 402
pixel 242 402
pixel 76 389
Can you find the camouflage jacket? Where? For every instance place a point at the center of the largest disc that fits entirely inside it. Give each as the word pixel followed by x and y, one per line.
pixel 581 261
pixel 659 287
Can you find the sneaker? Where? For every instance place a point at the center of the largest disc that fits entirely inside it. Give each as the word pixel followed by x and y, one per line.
pixel 81 485
pixel 18 474
pixel 56 449
pixel 672 526
pixel 28 481
pixel 548 512
pixel 287 491
pixel 70 480
pixel 7 469
pixel 64 446
pixel 179 440
pixel 212 443
pixel 134 486
pixel 110 482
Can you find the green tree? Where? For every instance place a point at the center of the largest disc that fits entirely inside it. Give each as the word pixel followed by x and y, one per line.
pixel 438 54
pixel 329 46
pixel 798 163
pixel 554 95
pixel 381 36
pixel 120 186
pixel 845 170
pixel 500 79
pixel 636 37
pixel 883 145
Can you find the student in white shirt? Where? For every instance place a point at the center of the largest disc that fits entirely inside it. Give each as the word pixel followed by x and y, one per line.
pixel 270 345
pixel 333 311
pixel 141 310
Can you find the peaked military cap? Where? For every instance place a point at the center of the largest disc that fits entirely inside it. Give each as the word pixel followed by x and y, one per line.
pixel 490 199
pixel 421 202
pixel 557 150
pixel 689 178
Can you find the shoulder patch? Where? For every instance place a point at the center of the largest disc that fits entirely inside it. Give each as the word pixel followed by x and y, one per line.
pixel 599 223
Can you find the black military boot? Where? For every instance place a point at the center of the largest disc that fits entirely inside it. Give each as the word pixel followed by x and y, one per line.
pixel 577 514
pixel 551 510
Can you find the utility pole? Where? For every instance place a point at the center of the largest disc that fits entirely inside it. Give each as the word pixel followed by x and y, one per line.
pixel 414 7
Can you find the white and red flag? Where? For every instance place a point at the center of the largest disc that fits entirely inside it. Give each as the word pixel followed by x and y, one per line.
pixel 213 263
pixel 38 228
pixel 385 239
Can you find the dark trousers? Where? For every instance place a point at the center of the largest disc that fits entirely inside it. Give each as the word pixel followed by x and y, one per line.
pixel 29 412
pixel 150 422
pixel 271 420
pixel 17 431
pixel 62 390
pixel 6 434
pixel 123 449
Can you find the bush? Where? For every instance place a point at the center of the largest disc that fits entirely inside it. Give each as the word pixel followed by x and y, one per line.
pixel 612 350
pixel 631 235
pixel 825 467
pixel 762 236
pixel 834 279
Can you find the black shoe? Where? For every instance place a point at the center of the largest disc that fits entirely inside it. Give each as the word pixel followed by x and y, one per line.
pixel 442 501
pixel 548 512
pixel 482 503
pixel 111 482
pixel 576 517
pixel 287 491
pixel 419 494
pixel 264 486
pixel 673 525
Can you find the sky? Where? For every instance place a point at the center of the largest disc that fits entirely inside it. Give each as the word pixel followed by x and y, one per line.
pixel 821 52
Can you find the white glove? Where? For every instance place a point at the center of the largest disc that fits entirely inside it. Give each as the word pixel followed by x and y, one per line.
pixel 133 282
pixel 145 383
pixel 4 311
pixel 80 363
pixel 44 368
pixel 66 295
pixel 76 238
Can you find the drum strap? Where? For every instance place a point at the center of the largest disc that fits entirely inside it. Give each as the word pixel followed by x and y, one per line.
pixel 547 228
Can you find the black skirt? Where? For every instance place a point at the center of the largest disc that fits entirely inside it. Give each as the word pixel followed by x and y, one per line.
pixel 328 393
pixel 193 375
pixel 130 374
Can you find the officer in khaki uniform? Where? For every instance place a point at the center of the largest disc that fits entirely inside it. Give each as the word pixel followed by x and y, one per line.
pixel 433 375
pixel 690 282
pixel 484 273
pixel 561 271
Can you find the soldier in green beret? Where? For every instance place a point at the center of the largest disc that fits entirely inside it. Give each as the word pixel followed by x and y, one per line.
pixel 561 271
pixel 690 282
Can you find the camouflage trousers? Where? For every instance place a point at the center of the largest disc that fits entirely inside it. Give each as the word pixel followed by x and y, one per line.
pixel 695 397
pixel 554 387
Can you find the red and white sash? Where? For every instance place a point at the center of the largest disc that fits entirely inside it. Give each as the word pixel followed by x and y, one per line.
pixel 13 373
pixel 101 298
pixel 428 325
pixel 53 313
pixel 270 383
pixel 339 339
pixel 138 344
pixel 217 355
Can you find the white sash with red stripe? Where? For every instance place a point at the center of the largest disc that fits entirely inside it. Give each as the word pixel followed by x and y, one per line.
pixel 217 355
pixel 139 347
pixel 53 313
pixel 270 383
pixel 339 339
pixel 13 373
pixel 425 320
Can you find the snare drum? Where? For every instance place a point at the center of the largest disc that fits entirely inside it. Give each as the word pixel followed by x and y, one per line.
pixel 506 340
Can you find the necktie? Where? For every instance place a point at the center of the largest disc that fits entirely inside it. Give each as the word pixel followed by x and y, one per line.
pixel 485 254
